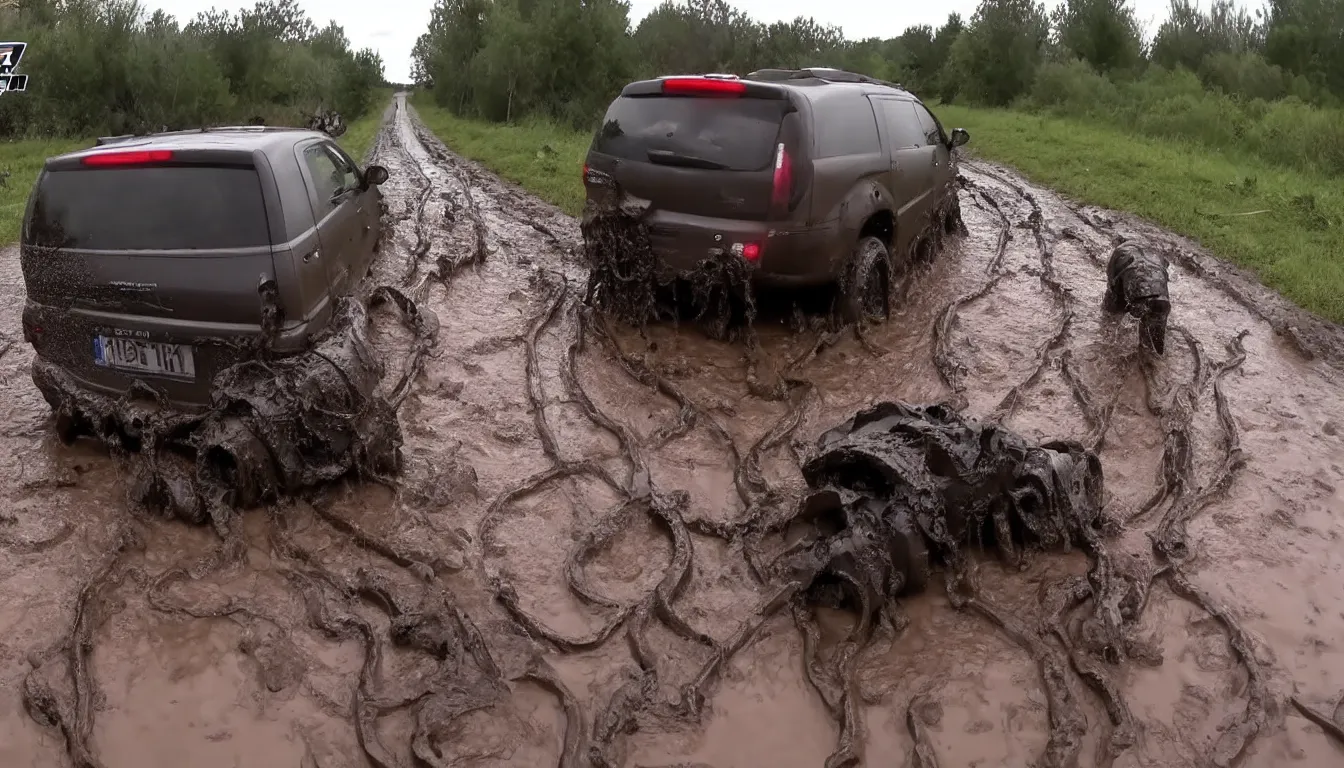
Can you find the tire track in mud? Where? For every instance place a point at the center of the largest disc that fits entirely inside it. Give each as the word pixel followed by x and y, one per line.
pixel 1066 727
pixel 458 633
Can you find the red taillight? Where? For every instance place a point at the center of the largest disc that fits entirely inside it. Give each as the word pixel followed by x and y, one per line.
pixel 751 251
pixel 585 173
pixel 31 333
pixel 783 186
pixel 704 86
pixel 137 157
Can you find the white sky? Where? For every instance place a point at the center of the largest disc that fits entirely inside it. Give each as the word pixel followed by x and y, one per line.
pixel 391 26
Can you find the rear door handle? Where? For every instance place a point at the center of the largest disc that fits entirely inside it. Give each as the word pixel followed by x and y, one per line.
pixel 312 256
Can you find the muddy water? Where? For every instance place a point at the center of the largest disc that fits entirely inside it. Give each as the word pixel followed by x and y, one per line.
pixel 256 681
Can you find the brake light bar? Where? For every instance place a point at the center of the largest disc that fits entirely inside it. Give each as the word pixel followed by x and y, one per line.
pixel 703 86
pixel 131 157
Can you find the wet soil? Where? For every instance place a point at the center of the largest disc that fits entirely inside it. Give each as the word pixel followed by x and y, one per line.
pixel 564 572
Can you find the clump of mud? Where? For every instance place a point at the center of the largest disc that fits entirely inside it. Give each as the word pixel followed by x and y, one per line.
pixel 1136 283
pixel 897 478
pixel 274 426
pixel 328 121
pixel 626 280
pixel 899 487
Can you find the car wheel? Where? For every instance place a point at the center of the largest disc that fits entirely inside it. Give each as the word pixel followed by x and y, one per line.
pixel 865 291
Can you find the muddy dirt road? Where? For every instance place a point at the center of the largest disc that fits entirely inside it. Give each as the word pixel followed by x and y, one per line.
pixel 567 554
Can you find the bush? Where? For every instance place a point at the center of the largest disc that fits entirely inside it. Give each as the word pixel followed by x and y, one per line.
pixel 1245 74
pixel 1072 88
pixel 1176 105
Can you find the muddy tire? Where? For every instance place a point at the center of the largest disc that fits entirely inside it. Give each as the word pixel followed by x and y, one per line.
pixel 865 291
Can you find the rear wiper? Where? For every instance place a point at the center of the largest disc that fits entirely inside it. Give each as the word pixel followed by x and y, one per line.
pixel 665 157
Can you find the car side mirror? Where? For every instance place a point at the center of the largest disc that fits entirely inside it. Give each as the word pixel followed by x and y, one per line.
pixel 374 175
pixel 960 136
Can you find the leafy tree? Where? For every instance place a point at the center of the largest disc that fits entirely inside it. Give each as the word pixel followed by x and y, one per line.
pixel 442 55
pixel 1189 35
pixel 1306 37
pixel 1104 33
pixel 798 44
pixel 996 57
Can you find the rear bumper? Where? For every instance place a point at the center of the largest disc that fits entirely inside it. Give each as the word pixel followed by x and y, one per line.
pixel 59 386
pixel 789 256
pixel 65 344
pixel 104 413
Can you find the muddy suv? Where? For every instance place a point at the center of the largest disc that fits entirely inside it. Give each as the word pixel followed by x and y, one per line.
pixel 161 259
pixel 811 177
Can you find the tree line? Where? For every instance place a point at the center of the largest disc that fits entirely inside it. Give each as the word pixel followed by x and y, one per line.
pixel 563 60
pixel 107 67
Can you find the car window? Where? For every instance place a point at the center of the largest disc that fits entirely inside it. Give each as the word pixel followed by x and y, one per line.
pixel 846 127
pixel 347 168
pixel 906 130
pixel 933 129
pixel 327 177
pixel 179 208
pixel 727 134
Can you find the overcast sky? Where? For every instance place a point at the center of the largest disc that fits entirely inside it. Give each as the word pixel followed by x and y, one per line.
pixel 391 26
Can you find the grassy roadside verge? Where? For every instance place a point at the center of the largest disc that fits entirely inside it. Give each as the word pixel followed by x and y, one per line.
pixel 542 158
pixel 1286 226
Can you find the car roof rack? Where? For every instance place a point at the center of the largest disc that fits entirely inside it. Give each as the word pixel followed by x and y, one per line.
pixel 103 141
pixel 825 74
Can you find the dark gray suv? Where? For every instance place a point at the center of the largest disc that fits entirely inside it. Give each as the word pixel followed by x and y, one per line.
pixel 162 258
pixel 807 177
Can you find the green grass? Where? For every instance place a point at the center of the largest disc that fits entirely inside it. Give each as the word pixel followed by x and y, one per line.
pixel 23 160
pixel 542 158
pixel 359 134
pixel 1295 246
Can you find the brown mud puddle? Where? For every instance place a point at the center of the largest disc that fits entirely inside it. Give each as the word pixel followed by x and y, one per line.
pixel 599 483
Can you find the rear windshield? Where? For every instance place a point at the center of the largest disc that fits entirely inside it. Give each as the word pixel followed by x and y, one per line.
pixel 114 209
pixel 734 134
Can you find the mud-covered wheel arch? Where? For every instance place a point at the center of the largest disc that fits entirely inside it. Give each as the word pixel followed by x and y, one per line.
pixel 865 288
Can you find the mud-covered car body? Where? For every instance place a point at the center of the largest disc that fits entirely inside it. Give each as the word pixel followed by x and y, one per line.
pixel 166 259
pixel 786 169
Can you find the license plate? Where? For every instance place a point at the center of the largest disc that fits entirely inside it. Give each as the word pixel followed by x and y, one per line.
pixel 173 360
